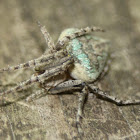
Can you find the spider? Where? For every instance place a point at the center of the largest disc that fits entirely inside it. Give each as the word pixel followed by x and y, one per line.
pixel 78 54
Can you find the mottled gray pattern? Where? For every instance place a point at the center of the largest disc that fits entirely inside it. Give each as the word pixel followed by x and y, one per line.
pixel 52 117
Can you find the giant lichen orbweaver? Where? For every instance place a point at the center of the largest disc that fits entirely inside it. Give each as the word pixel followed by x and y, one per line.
pixel 77 53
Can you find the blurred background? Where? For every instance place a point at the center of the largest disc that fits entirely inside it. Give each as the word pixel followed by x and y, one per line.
pixel 52 117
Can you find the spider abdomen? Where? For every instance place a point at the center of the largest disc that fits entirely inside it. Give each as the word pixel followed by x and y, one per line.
pixel 90 54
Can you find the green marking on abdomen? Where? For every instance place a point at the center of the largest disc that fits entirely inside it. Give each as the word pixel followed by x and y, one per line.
pixel 82 57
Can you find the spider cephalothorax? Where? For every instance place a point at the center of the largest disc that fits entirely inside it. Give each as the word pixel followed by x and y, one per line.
pixel 78 53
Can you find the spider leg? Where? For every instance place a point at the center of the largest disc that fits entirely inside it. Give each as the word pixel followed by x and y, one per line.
pixel 74 85
pixel 66 86
pixel 65 63
pixel 22 85
pixel 35 95
pixel 115 100
pixel 82 97
pixel 53 91
pixel 70 85
pixel 44 59
pixel 83 31
pixel 47 36
pixel 47 64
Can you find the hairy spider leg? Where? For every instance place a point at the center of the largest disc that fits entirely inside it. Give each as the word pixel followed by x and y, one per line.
pixel 47 37
pixel 44 59
pixel 61 87
pixel 69 83
pixel 82 97
pixel 113 99
pixel 78 85
pixel 47 85
pixel 35 95
pixel 53 91
pixel 83 31
pixel 62 67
